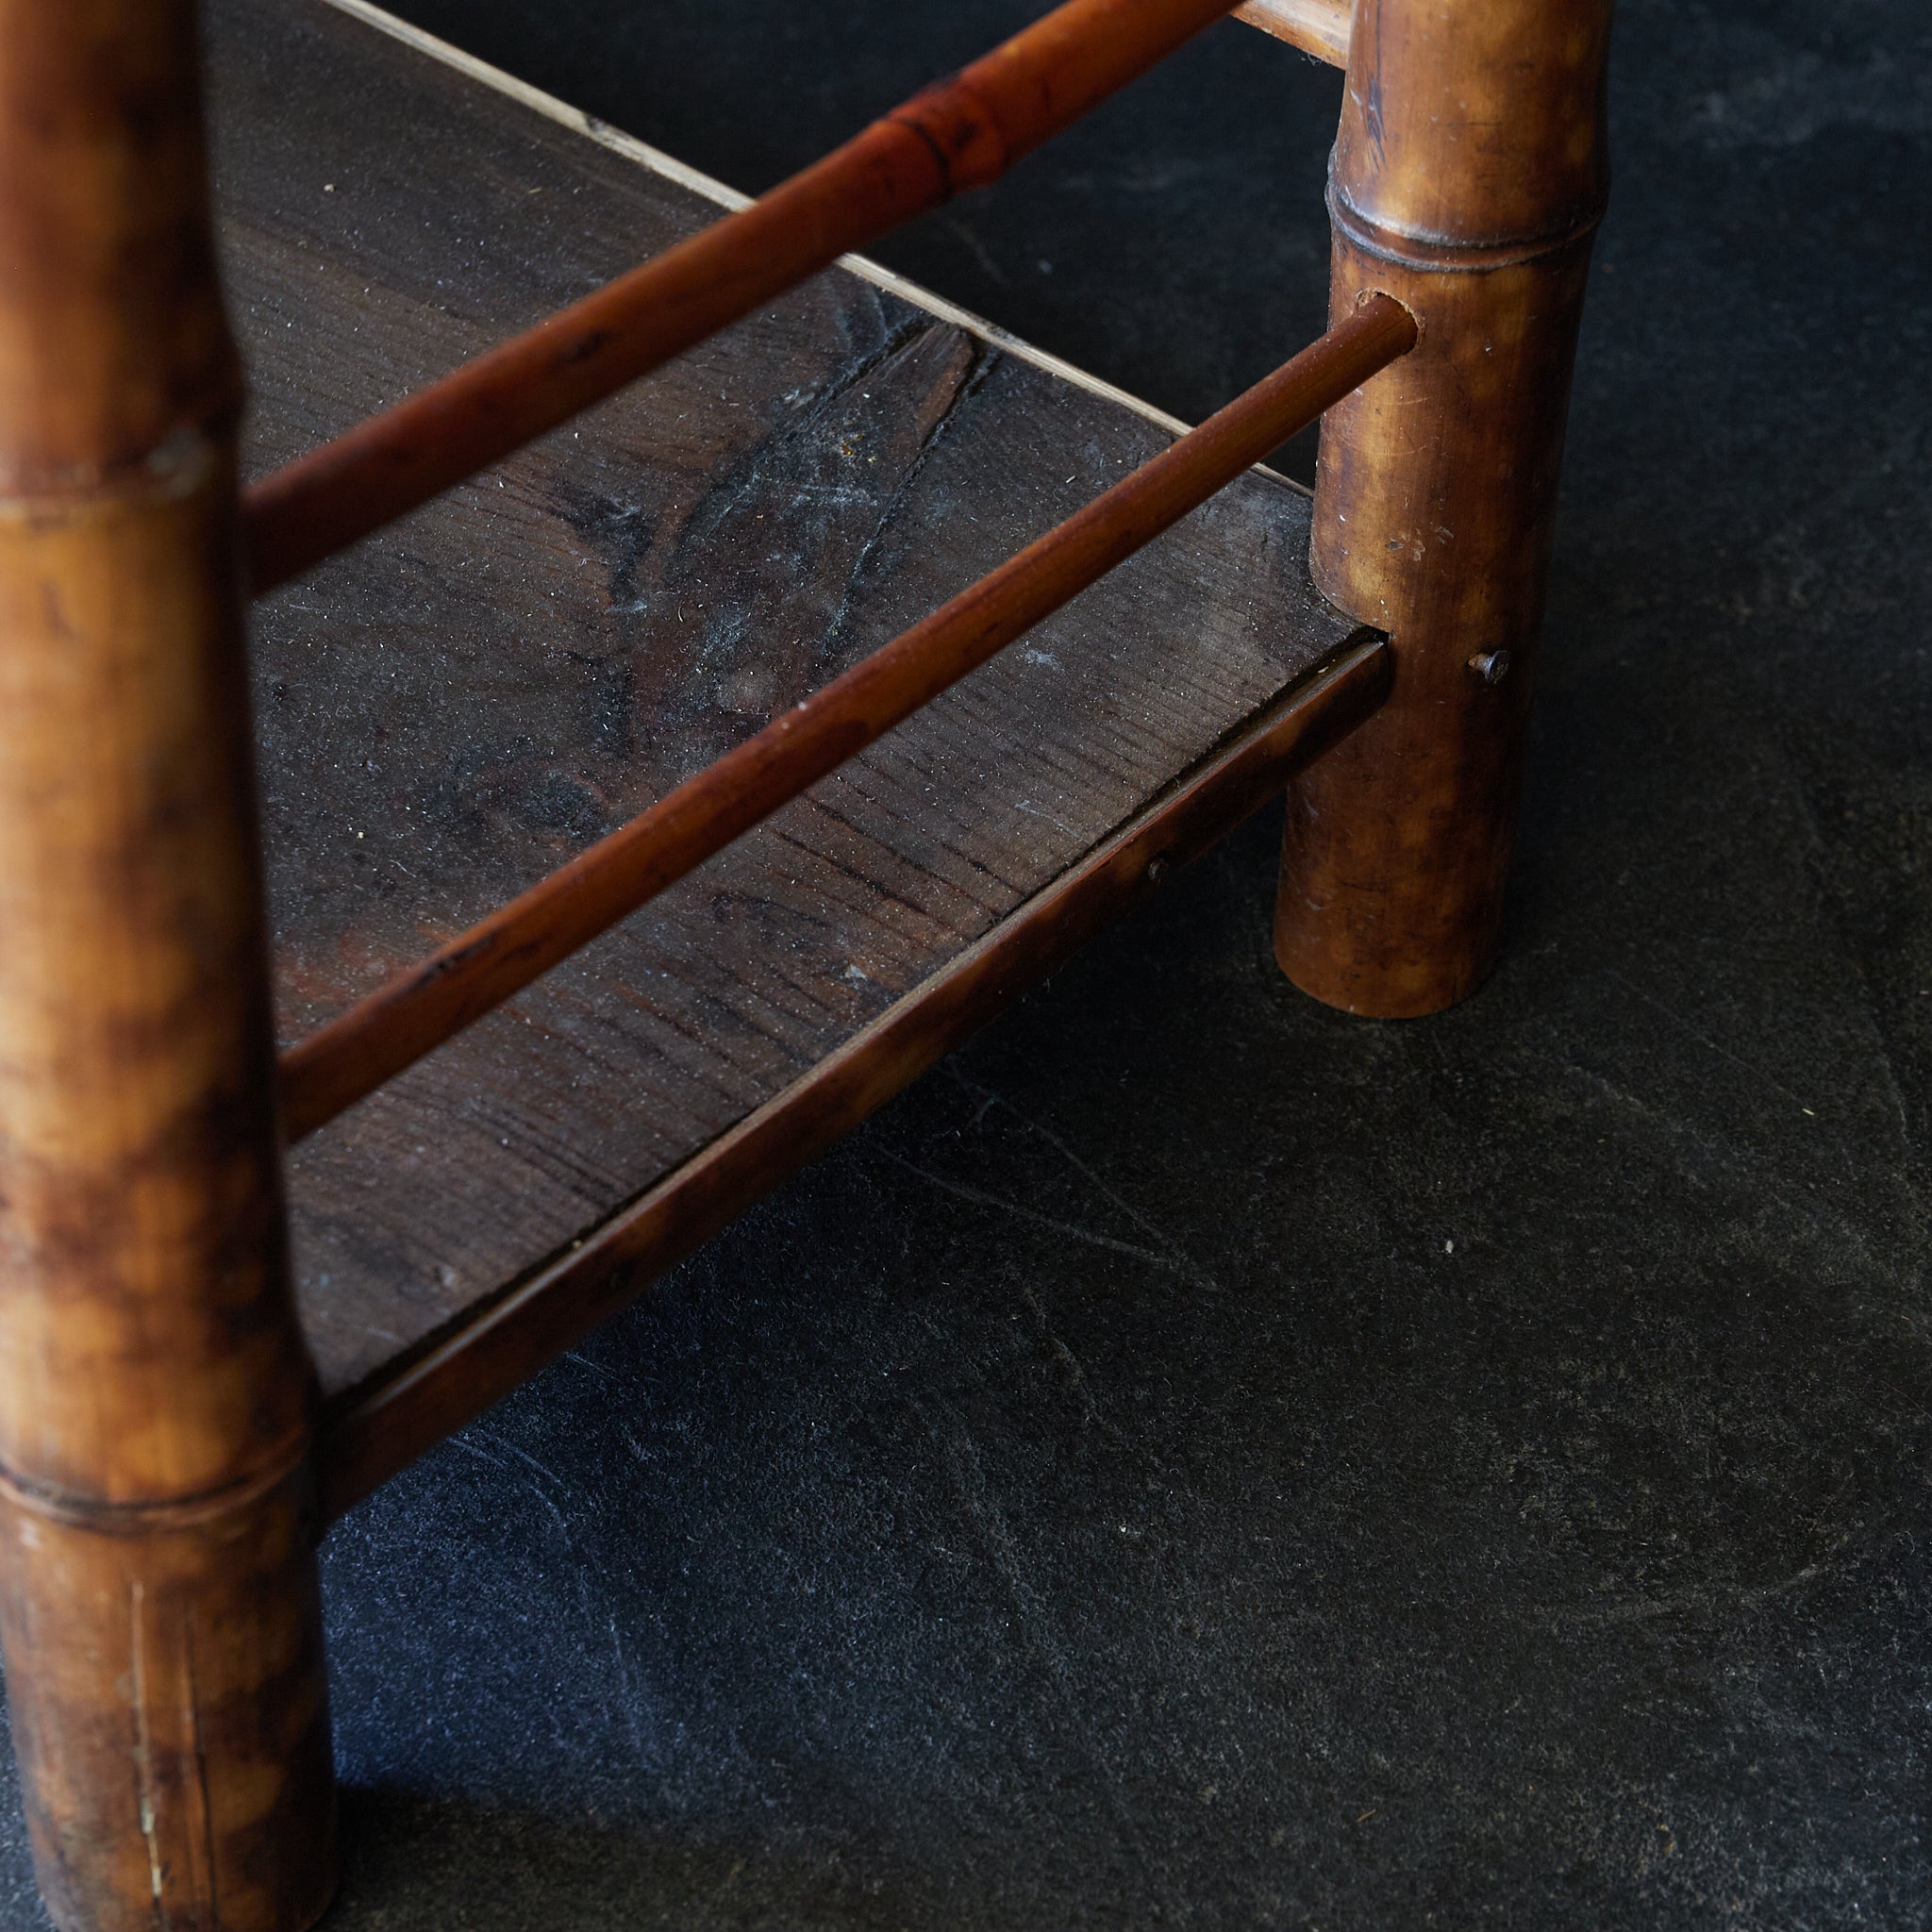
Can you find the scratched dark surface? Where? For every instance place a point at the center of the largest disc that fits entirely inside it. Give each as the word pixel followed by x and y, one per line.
pixel 455 707
pixel 1099 1496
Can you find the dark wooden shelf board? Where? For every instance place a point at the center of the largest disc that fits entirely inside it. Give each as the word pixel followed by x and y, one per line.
pixel 470 697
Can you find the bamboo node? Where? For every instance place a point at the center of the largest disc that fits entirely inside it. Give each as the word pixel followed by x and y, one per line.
pixel 289 1458
pixel 1435 252
pixel 962 132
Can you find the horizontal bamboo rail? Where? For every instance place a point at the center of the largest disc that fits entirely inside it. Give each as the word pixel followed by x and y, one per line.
pixel 355 1053
pixel 962 133
pixel 1321 27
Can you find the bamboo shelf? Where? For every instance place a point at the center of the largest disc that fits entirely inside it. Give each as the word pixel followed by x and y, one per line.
pixel 657 684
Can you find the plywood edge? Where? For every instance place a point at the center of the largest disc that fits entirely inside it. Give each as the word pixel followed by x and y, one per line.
pixel 377 1427
pixel 716 191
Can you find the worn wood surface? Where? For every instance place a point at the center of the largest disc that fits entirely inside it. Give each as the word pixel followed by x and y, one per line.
pixel 426 1005
pixel 450 712
pixel 157 1599
pixel 1470 174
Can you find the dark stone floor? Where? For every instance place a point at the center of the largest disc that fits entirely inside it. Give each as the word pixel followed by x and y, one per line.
pixel 1199 1460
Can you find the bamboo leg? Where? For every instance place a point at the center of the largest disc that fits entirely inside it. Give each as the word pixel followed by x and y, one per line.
pixel 1468 175
pixel 157 1601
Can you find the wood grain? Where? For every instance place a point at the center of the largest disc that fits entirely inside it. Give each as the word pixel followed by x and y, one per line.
pixel 378 1430
pixel 456 707
pixel 423 1007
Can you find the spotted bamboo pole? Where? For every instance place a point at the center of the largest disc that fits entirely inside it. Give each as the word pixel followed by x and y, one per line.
pixel 157 1598
pixel 1319 28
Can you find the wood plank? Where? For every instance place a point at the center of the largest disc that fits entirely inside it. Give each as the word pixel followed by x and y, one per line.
pixel 349 1057
pixel 383 1428
pixel 959 133
pixel 447 713
pixel 708 188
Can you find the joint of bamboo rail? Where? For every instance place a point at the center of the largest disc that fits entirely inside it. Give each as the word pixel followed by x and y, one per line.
pixel 353 1054
pixel 163 1515
pixel 961 130
pixel 1365 296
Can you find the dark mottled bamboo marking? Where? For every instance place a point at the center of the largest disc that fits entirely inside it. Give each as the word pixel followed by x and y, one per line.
pixel 157 1595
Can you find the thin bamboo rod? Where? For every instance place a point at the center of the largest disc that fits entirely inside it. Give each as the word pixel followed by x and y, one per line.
pixel 962 133
pixel 418 1009
pixel 1321 27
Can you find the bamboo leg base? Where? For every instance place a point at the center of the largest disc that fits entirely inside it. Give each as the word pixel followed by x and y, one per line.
pixel 1468 179
pixel 169 1715
pixel 1396 846
pixel 158 1597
